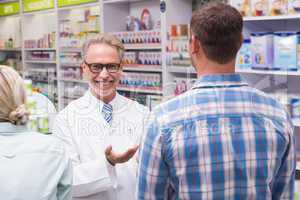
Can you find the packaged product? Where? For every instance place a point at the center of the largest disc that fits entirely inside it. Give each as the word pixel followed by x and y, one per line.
pixel 278 7
pixel 293 6
pixel 243 6
pixel 259 7
pixel 298 52
pixel 295 108
pixel 285 50
pixel 262 50
pixel 43 124
pixel 243 59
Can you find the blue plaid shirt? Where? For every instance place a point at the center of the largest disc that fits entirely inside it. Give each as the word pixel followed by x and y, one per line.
pixel 220 140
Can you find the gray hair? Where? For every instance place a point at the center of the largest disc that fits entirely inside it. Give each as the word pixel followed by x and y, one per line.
pixel 104 38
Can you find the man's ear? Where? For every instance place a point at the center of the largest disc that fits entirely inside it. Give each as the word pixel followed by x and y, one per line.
pixel 241 41
pixel 195 45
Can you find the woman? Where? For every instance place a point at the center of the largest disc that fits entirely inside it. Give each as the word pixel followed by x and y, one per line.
pixel 33 166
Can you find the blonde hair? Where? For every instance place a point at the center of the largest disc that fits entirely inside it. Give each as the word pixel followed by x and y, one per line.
pixel 104 38
pixel 12 97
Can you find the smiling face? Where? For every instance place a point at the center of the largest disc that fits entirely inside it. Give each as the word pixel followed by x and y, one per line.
pixel 103 85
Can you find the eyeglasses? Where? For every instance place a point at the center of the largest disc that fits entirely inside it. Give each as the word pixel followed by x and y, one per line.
pixel 98 67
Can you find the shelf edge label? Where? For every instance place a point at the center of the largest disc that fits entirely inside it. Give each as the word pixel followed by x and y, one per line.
pixel 63 3
pixel 9 8
pixel 37 5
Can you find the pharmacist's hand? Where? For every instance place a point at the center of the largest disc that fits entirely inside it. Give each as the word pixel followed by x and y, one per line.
pixel 114 158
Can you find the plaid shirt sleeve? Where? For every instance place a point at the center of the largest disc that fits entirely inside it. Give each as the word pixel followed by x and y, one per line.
pixel 283 186
pixel 152 174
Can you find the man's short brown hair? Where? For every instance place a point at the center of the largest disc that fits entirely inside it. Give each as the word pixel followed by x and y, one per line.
pixel 218 27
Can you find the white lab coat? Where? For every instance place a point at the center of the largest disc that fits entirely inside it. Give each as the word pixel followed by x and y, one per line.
pixel 33 166
pixel 86 134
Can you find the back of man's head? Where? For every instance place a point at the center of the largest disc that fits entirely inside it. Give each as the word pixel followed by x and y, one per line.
pixel 218 27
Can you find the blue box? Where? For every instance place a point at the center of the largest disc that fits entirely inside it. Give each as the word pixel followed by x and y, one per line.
pixel 285 50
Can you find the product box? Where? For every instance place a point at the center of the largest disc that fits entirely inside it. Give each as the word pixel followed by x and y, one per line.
pixel 243 6
pixel 298 52
pixel 259 7
pixel 295 108
pixel 293 6
pixel 278 7
pixel 243 59
pixel 262 50
pixel 285 50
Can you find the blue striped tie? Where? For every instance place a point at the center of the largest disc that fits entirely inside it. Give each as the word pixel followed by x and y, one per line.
pixel 107 112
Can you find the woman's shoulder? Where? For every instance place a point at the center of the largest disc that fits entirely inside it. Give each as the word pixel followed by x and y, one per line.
pixel 38 142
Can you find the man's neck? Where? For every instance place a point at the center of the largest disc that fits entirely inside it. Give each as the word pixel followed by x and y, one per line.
pixel 104 98
pixel 209 68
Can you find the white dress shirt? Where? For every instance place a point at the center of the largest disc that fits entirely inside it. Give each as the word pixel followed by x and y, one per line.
pixel 32 166
pixel 85 133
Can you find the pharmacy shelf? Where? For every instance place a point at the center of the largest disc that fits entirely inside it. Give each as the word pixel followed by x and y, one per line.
pixel 84 5
pixel 43 81
pixel 142 46
pixel 45 70
pixel 179 38
pixel 41 12
pixel 181 69
pixel 72 80
pixel 137 90
pixel 121 1
pixel 40 62
pixel 11 49
pixel 69 49
pixel 280 73
pixel 264 18
pixel 40 49
pixel 142 68
pixel 70 64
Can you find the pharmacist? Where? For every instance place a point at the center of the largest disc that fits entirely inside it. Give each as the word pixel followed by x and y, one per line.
pixel 102 129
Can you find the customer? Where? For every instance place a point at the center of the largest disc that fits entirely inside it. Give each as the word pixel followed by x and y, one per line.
pixel 32 165
pixel 222 139
pixel 101 130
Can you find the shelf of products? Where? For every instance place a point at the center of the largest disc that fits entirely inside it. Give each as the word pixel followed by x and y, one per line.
pixel 70 49
pixel 280 73
pixel 10 42
pixel 142 39
pixel 272 18
pixel 10 49
pixel 75 27
pixel 137 90
pixel 142 68
pixel 39 62
pixel 83 4
pixel 39 51
pixel 181 69
pixel 73 80
pixel 267 9
pixel 121 1
pixel 42 110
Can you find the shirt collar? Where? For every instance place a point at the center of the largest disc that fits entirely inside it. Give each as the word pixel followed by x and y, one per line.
pixel 219 80
pixel 116 102
pixel 9 128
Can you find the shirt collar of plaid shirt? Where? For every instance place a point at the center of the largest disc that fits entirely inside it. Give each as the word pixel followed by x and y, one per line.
pixel 220 80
